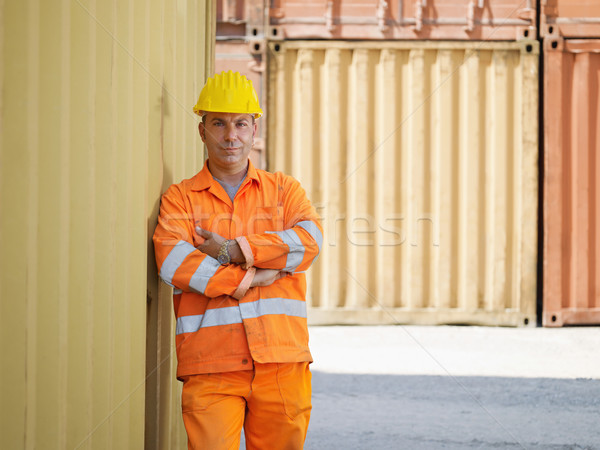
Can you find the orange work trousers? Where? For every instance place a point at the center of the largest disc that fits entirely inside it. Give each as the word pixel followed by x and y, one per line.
pixel 272 402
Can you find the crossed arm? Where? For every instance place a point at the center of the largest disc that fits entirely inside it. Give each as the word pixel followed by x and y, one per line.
pixel 212 244
pixel 259 259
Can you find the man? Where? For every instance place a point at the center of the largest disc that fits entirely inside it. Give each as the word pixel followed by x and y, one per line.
pixel 234 242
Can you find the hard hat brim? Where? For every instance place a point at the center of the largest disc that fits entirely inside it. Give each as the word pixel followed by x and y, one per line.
pixel 202 112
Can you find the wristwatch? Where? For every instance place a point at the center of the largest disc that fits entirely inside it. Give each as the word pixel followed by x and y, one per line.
pixel 224 257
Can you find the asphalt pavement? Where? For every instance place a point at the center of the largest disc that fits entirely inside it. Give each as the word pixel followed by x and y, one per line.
pixel 444 387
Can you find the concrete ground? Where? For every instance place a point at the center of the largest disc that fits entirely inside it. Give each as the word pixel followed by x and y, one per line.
pixel 414 387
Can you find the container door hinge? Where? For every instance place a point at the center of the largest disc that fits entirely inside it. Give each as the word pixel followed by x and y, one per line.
pixel 526 31
pixel 381 15
pixel 329 17
pixel 420 6
pixel 473 4
pixel 527 14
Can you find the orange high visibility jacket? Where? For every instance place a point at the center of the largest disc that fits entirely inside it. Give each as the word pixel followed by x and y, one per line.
pixel 222 324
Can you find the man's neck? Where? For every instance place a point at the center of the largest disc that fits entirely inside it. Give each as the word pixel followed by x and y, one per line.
pixel 232 178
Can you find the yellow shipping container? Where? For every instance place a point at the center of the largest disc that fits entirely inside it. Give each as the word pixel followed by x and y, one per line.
pixel 422 159
pixel 95 122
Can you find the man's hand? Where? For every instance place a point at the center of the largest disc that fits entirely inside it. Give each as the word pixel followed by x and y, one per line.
pixel 266 277
pixel 212 244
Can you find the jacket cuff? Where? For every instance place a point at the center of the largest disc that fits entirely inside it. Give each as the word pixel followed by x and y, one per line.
pixel 244 284
pixel 246 251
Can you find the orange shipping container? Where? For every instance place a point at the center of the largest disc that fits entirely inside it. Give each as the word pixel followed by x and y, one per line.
pixel 403 19
pixel 571 187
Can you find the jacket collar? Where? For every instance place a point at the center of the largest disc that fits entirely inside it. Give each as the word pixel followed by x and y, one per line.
pixel 204 179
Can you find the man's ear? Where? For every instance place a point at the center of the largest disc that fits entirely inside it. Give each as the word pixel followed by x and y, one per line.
pixel 201 130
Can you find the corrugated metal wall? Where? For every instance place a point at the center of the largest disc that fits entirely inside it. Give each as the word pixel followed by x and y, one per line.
pixel 185 40
pixel 571 186
pixel 422 160
pixel 94 124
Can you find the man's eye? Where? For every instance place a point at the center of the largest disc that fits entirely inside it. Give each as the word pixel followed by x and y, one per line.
pixel 242 124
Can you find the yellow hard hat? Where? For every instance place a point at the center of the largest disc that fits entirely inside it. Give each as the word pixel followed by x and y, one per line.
pixel 228 92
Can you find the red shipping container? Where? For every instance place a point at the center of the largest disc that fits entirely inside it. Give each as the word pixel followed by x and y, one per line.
pixel 571 185
pixel 403 19
pixel 570 18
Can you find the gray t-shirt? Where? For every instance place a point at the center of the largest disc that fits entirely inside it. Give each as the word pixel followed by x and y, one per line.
pixel 231 190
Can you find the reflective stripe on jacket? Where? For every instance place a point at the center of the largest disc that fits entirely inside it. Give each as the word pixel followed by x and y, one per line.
pixel 222 325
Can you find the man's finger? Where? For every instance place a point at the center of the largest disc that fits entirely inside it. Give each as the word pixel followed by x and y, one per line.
pixel 204 233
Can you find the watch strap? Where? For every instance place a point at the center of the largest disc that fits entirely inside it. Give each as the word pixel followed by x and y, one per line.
pixel 224 257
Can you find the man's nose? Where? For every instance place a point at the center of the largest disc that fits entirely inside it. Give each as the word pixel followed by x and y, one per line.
pixel 230 132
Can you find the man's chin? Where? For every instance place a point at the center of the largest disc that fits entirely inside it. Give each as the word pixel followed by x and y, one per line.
pixel 232 159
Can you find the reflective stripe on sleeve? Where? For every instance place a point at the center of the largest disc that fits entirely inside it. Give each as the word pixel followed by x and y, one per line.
pixel 296 249
pixel 176 256
pixel 207 268
pixel 266 306
pixel 211 318
pixel 313 230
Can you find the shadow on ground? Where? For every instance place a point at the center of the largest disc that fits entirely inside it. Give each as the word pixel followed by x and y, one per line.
pixel 442 412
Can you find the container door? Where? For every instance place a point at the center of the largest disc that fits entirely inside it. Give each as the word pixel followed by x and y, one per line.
pixel 571 184
pixel 422 159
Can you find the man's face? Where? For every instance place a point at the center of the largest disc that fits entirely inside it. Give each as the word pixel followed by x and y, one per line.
pixel 229 138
